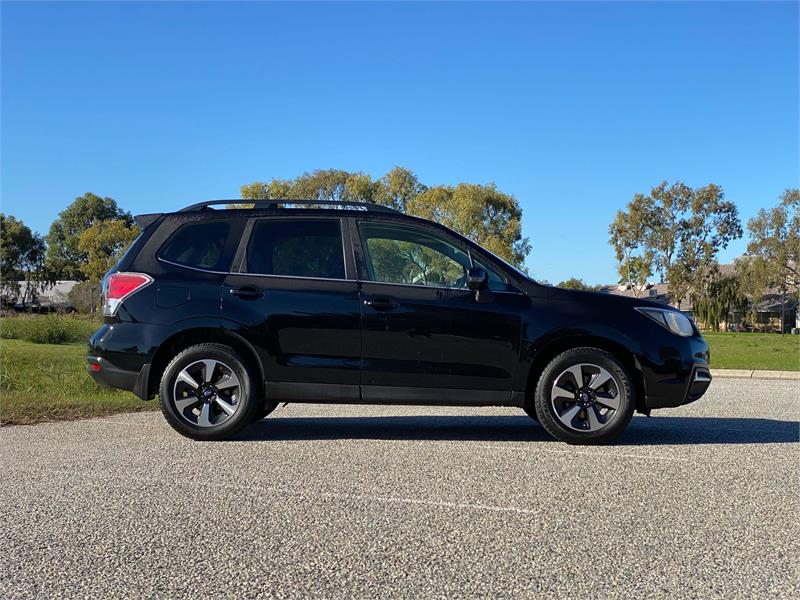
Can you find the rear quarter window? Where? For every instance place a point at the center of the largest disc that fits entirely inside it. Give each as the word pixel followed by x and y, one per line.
pixel 200 245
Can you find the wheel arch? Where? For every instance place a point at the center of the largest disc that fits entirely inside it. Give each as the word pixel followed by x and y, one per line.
pixel 201 335
pixel 556 346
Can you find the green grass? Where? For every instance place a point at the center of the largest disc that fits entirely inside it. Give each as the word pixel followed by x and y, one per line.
pixel 48 329
pixel 768 351
pixel 45 382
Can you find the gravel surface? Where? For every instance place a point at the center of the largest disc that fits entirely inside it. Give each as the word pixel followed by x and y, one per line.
pixel 361 501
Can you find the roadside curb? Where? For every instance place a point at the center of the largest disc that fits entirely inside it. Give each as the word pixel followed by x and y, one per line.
pixel 755 374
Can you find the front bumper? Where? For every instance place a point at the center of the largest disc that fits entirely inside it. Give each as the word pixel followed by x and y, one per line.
pixel 675 373
pixel 105 373
pixel 701 379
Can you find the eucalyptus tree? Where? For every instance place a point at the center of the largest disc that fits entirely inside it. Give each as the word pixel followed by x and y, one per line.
pixel 480 212
pixel 678 231
pixel 773 252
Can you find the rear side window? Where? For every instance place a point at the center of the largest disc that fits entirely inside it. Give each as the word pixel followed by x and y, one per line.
pixel 200 245
pixel 307 248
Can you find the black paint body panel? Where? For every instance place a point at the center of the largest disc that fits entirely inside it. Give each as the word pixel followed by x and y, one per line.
pixel 316 340
pixel 303 330
pixel 440 338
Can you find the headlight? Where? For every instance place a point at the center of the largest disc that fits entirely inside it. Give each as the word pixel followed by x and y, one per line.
pixel 677 322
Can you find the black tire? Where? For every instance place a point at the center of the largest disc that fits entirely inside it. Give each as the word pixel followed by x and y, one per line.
pixel 265 409
pixel 530 410
pixel 246 405
pixel 618 390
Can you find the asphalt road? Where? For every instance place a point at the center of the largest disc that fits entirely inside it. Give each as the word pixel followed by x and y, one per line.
pixel 699 502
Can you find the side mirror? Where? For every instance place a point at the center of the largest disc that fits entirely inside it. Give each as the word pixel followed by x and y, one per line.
pixel 477 279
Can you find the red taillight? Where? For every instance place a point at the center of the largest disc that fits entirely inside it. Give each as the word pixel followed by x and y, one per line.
pixel 119 286
pixel 122 284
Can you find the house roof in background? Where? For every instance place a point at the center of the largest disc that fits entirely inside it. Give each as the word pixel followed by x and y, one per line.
pixel 57 295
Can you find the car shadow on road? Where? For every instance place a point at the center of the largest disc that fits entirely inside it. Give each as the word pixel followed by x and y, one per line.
pixel 642 431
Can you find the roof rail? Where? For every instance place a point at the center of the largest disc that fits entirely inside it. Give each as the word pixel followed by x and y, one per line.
pixel 268 203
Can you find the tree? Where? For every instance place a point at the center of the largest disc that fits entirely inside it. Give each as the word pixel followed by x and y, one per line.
pixel 64 258
pixel 480 212
pixel 277 188
pixel 21 259
pixel 324 185
pixel 85 296
pixel 359 187
pixel 773 252
pixel 710 224
pixel 679 230
pixel 573 283
pixel 103 243
pixel 398 188
pixel 634 259
pixel 717 299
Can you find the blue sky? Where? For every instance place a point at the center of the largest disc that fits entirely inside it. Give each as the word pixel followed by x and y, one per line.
pixel 570 107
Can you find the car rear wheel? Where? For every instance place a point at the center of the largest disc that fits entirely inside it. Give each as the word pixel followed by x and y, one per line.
pixel 206 393
pixel 584 396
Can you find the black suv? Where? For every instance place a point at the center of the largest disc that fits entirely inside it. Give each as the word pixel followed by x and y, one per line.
pixel 224 313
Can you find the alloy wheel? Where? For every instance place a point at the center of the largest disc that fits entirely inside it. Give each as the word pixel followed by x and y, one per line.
pixel 585 397
pixel 207 393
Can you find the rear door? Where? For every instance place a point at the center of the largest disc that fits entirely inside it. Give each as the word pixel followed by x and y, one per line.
pixel 425 337
pixel 293 295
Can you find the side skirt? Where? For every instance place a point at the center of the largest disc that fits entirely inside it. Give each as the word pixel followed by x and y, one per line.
pixel 289 391
pixel 286 391
pixel 386 394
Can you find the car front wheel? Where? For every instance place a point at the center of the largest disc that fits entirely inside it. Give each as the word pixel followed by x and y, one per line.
pixel 584 396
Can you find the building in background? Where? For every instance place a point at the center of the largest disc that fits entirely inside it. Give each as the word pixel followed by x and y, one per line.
pixel 54 298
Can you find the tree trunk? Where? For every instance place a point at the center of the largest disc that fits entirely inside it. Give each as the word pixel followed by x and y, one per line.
pixel 783 310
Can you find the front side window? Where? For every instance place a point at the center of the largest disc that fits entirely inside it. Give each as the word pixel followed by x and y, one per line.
pixel 200 245
pixel 303 248
pixel 397 254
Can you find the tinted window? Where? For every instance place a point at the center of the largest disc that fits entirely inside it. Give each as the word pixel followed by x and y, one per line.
pixel 299 248
pixel 415 257
pixel 199 244
pixel 411 256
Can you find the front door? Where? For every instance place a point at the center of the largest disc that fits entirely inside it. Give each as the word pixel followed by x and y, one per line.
pixel 295 299
pixel 425 337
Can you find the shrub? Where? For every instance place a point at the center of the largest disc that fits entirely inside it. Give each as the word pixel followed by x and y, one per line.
pixel 85 296
pixel 47 329
pixel 10 328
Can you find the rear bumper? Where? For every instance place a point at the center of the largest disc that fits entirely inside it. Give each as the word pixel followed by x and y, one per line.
pixel 105 373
